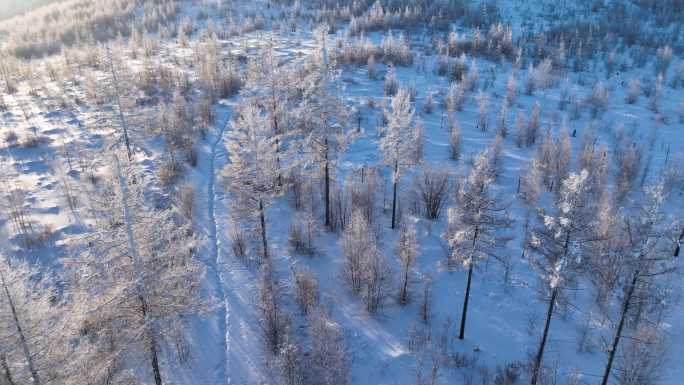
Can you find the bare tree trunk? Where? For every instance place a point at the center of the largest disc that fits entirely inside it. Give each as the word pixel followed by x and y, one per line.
pixel 6 370
pixel 404 290
pixel 394 195
pixel 133 248
pixel 35 379
pixel 461 333
pixel 542 345
pixel 466 299
pixel 122 119
pixel 618 332
pixel 328 225
pixel 154 359
pixel 262 217
pixel 277 141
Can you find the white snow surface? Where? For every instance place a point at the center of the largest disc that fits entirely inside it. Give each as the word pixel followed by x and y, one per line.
pixel 504 320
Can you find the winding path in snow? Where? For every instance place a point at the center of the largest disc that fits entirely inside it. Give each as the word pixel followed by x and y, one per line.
pixel 215 253
pixel 236 285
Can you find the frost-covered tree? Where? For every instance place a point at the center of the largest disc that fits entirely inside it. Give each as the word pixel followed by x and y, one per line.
pixel 599 98
pixel 121 96
pixel 270 86
pixel 511 89
pixel 558 240
pixel 134 279
pixel 532 130
pixel 520 129
pixel 482 110
pixel 33 330
pixel 563 153
pixel 217 74
pixel 253 174
pixel 391 85
pixel 501 120
pixel 454 98
pixel 407 251
pixel 633 91
pixel 643 249
pixel 400 141
pixel 274 321
pixel 628 161
pixel 329 360
pixel 324 120
pixel 477 222
pixel 546 155
pixel 306 289
pixel 355 242
pixel 455 140
pixel 664 58
pixel 530 182
pixel 431 188
pixel 365 268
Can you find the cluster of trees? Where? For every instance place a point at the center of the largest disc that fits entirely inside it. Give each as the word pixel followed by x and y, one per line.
pixel 121 300
pixel 129 286
pixel 46 30
pixel 9 9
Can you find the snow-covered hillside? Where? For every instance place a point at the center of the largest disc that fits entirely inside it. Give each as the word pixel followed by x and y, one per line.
pixel 341 192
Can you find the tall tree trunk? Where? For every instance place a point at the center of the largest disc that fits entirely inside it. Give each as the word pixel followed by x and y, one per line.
pixel 122 119
pixel 137 263
pixel 461 333
pixel 262 217
pixel 394 194
pixel 618 332
pixel 277 141
pixel 328 223
pixel 151 340
pixel 542 345
pixel 466 299
pixel 404 290
pixel 6 370
pixel 35 379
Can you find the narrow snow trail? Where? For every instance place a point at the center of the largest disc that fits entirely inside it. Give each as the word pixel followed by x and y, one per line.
pixel 215 254
pixel 244 363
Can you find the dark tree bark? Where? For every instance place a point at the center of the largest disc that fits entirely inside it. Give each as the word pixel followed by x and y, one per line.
pixel 151 340
pixel 618 332
pixel 542 345
pixel 6 371
pixel 394 195
pixel 328 221
pixel 466 298
pixel 35 378
pixel 262 217
pixel 122 119
pixel 461 333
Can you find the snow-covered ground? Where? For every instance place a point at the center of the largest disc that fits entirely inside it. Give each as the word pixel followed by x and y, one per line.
pixel 505 318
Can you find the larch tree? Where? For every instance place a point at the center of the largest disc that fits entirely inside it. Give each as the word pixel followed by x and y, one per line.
pixel 645 256
pixel 120 84
pixel 324 120
pixel 407 251
pixel 269 86
pixel 32 331
pixel 253 173
pixel 476 223
pixel 365 268
pixel 135 281
pixel 400 141
pixel 558 240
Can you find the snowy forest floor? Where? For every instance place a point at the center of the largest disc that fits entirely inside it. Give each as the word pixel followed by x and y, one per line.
pixel 505 317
